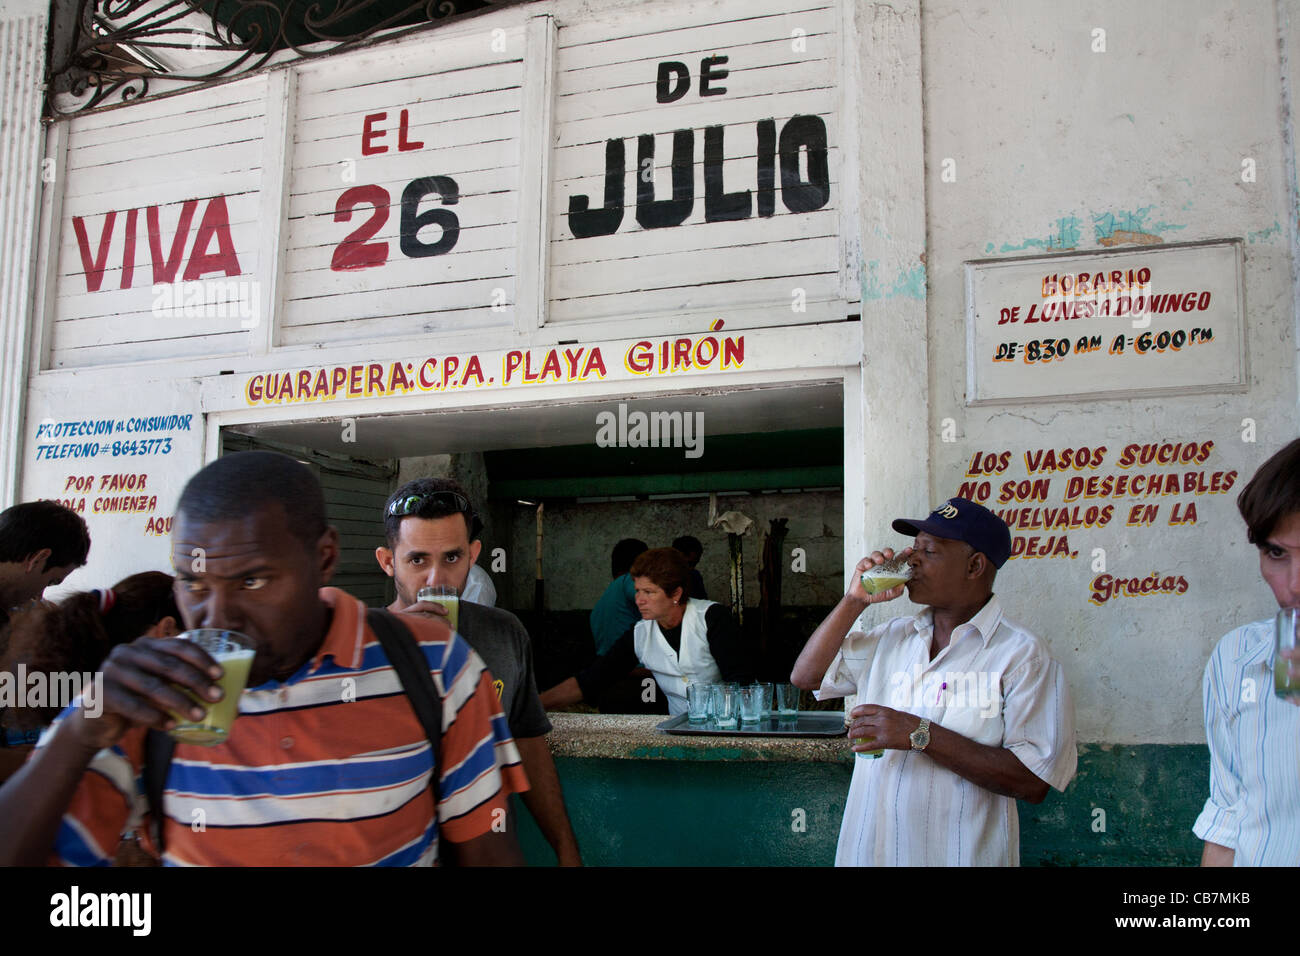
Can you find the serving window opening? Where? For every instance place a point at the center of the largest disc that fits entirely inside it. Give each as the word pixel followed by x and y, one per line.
pixel 756 475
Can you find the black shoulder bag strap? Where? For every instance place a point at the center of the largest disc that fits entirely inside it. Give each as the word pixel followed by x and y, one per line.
pixel 158 749
pixel 412 669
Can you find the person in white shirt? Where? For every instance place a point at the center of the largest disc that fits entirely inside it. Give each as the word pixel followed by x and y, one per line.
pixel 1252 816
pixel 681 640
pixel 980 713
pixel 479 588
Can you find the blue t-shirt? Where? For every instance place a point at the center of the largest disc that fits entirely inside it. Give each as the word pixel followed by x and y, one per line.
pixel 614 613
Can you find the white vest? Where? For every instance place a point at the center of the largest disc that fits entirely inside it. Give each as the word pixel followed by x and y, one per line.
pixel 674 671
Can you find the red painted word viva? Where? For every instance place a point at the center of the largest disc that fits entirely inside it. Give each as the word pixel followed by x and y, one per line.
pixel 201 260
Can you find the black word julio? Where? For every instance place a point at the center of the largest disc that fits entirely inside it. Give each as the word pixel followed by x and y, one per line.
pixel 798 134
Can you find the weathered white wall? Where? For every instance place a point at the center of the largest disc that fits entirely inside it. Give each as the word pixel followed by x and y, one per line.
pixel 18 9
pixel 128 463
pixel 1055 146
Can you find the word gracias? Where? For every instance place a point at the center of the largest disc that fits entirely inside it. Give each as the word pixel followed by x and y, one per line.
pixel 517 367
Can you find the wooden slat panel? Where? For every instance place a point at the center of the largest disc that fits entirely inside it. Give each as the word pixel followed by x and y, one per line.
pixel 448 56
pixel 661 32
pixel 463 105
pixel 249 90
pixel 162 153
pixel 152 350
pixel 723 294
pixel 606 89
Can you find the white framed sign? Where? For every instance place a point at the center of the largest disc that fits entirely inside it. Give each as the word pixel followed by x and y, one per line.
pixel 1106 324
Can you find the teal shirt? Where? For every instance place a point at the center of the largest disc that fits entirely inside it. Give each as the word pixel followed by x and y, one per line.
pixel 614 613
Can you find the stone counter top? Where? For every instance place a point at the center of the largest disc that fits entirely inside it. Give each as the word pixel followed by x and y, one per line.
pixel 633 737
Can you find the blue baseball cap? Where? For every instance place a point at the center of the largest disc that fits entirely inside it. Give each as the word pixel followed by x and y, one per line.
pixel 962 520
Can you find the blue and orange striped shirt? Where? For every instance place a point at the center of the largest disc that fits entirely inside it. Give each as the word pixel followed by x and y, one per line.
pixel 329 768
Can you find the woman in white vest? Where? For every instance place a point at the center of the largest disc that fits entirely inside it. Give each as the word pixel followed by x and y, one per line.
pixel 678 639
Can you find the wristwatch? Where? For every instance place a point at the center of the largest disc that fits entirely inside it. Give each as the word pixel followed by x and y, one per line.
pixel 921 736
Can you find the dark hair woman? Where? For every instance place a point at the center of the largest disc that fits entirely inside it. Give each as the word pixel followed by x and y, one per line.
pixel 73 636
pixel 679 640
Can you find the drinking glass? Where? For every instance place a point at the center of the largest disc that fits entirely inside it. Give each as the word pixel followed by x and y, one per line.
pixel 872 754
pixel 751 703
pixel 234 652
pixel 697 701
pixel 448 597
pixel 787 701
pixel 726 705
pixel 887 575
pixel 1286 675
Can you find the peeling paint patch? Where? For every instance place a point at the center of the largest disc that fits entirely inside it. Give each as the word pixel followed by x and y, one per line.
pixel 1066 237
pixel 1265 234
pixel 908 284
pixel 1113 229
pixel 1122 236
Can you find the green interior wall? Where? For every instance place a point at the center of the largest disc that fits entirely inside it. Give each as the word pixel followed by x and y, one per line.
pixel 738 812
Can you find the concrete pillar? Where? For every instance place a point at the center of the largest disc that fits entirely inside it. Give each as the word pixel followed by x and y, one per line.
pixel 22 64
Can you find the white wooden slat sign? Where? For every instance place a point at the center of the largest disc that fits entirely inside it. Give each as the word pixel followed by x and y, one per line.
pixel 694 162
pixel 158 234
pixel 1156 319
pixel 689 149
pixel 403 198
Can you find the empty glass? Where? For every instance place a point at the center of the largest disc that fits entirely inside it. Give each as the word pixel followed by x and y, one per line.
pixel 726 705
pixel 698 701
pixel 752 698
pixel 787 701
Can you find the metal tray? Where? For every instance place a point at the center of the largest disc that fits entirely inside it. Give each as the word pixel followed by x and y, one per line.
pixel 809 723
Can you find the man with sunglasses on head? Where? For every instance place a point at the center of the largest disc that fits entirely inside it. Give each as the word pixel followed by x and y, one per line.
pixel 432 535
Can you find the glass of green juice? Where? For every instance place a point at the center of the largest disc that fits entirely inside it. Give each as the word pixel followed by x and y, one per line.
pixel 872 754
pixel 887 575
pixel 1285 625
pixel 448 597
pixel 234 652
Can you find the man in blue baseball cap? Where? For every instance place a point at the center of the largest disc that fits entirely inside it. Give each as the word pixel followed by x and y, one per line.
pixel 979 714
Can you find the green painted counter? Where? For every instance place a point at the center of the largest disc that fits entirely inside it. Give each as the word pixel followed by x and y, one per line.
pixel 638 798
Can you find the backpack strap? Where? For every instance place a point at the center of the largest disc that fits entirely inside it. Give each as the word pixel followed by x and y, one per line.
pixel 403 652
pixel 413 671
pixel 159 747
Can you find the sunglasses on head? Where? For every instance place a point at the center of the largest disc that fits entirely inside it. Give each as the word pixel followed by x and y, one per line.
pixel 413 503
pixel 450 500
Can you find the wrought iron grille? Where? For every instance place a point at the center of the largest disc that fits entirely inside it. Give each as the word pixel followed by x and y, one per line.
pixel 105 52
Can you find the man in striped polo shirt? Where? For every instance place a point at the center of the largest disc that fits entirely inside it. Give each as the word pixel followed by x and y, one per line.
pixel 1252 817
pixel 326 763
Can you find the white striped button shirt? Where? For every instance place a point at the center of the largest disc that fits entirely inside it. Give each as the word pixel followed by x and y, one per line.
pixel 1254 738
pixel 995 683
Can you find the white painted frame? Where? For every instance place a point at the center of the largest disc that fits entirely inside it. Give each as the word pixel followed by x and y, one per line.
pixel 972 364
